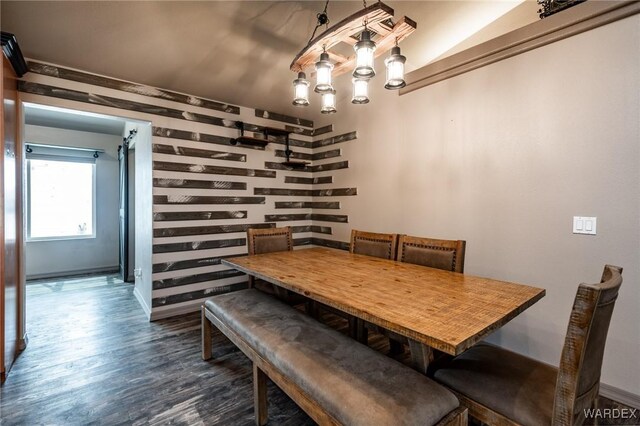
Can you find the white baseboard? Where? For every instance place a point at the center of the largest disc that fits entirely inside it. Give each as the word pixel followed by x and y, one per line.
pixel 65 274
pixel 619 395
pixel 180 310
pixel 143 304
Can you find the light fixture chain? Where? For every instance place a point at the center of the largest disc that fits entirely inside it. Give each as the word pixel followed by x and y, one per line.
pixel 323 19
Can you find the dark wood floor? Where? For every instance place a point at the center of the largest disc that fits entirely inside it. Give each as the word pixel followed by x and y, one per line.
pixel 93 358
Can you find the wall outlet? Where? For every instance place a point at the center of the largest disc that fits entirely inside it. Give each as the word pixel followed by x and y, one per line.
pixel 137 272
pixel 584 225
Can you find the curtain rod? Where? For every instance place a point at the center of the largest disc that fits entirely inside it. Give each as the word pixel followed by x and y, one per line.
pixel 71 148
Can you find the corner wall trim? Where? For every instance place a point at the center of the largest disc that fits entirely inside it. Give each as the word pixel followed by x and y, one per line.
pixel 572 21
pixel 143 304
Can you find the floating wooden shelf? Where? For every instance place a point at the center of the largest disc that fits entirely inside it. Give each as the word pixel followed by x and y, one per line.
pixel 262 142
pixel 246 140
pixel 379 22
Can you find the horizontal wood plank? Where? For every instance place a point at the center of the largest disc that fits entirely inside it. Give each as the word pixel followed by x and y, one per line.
pixel 311 228
pixel 306 216
pixel 334 192
pixel 307 205
pixel 322 130
pixel 212 170
pixel 123 104
pixel 329 166
pixel 198 199
pixel 196 295
pixel 198 245
pixel 204 230
pixel 326 154
pixel 299 130
pixel 340 245
pixel 294 155
pixel 335 139
pixel 269 115
pixel 204 215
pixel 196 278
pixel 301 241
pixel 198 184
pixel 197 137
pixel 126 86
pixel 317 168
pixel 199 153
pixel 189 264
pixel 308 180
pixel 279 166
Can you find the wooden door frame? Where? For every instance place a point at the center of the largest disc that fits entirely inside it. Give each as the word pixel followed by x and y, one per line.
pixel 17 67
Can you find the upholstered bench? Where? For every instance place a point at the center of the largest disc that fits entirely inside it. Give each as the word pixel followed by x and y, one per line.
pixel 335 379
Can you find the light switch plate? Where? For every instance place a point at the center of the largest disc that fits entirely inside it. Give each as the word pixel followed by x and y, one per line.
pixel 584 225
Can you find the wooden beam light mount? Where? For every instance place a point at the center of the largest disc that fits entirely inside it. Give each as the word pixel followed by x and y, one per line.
pixel 379 21
pixel 370 32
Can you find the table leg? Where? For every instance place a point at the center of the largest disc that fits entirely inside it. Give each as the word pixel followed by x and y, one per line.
pixel 420 355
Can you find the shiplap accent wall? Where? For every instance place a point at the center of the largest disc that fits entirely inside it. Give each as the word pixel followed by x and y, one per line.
pixel 206 193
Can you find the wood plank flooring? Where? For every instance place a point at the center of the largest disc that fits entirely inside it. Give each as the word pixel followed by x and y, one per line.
pixel 93 358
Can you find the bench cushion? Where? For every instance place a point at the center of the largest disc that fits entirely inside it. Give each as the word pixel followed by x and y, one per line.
pixel 355 384
pixel 511 384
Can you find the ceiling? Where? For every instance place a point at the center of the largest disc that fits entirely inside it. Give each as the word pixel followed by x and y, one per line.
pixel 60 118
pixel 232 51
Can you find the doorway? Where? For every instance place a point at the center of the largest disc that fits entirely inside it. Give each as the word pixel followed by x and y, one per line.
pixel 79 198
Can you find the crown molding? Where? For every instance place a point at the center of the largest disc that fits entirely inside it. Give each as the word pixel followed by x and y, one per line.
pixel 575 20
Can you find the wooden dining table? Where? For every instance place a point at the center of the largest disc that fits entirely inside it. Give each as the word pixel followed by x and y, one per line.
pixel 434 309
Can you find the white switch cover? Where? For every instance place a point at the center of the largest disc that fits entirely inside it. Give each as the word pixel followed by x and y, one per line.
pixel 137 272
pixel 584 225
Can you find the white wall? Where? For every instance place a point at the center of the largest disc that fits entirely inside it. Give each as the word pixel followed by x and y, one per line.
pixel 143 216
pixel 60 257
pixel 503 157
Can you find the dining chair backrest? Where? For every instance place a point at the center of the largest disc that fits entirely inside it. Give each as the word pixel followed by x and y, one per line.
pixel 373 244
pixel 268 240
pixel 578 379
pixel 431 252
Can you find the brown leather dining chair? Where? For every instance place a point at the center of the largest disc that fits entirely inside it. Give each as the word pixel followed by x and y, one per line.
pixel 434 253
pixel 374 244
pixel 502 387
pixel 269 240
pixel 441 254
pixel 369 244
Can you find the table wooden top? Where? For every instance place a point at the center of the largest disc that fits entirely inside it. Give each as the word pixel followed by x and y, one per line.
pixel 445 310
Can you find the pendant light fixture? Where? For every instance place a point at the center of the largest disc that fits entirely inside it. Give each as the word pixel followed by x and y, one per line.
pixel 301 90
pixel 364 55
pixel 360 91
pixel 323 74
pixel 328 102
pixel 395 69
pixel 375 31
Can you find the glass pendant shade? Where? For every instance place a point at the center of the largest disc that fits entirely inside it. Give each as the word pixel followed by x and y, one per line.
pixel 364 56
pixel 360 91
pixel 323 74
pixel 328 102
pixel 395 70
pixel 301 90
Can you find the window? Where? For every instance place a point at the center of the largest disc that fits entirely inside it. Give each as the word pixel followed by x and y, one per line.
pixel 61 197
